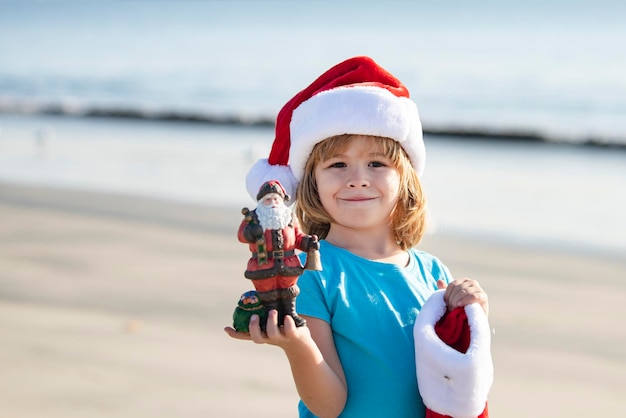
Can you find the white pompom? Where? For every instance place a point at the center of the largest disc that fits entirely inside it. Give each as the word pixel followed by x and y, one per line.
pixel 262 171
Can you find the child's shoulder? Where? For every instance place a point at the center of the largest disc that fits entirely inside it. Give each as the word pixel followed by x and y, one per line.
pixel 422 254
pixel 426 259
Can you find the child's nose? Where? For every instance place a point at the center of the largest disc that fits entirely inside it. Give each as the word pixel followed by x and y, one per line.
pixel 358 179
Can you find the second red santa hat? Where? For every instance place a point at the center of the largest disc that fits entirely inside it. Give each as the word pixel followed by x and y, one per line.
pixel 453 359
pixel 356 96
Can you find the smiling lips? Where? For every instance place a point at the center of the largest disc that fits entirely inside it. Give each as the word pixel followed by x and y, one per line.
pixel 357 199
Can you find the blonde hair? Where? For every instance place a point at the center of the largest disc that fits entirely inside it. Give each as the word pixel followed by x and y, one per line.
pixel 409 214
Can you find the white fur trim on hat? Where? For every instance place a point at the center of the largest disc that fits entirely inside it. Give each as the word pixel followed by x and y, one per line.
pixel 262 171
pixel 453 383
pixel 359 110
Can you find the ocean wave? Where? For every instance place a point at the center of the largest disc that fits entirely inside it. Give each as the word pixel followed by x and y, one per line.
pixel 263 121
pixel 121 112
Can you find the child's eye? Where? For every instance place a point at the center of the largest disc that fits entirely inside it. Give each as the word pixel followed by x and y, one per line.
pixel 377 164
pixel 337 165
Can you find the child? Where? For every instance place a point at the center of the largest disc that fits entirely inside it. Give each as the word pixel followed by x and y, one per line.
pixel 351 145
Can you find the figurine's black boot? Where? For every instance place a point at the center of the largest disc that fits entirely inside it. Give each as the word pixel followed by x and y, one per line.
pixel 288 305
pixel 270 300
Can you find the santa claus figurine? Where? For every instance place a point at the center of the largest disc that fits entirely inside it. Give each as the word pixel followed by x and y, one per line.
pixel 273 236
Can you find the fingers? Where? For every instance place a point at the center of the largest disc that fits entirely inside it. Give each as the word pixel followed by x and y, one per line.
pixel 463 292
pixel 274 334
pixel 441 284
pixel 289 327
pixel 256 334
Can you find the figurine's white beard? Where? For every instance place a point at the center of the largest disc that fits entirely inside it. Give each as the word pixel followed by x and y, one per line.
pixel 273 218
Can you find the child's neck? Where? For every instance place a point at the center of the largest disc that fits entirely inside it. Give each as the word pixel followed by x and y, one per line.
pixel 375 246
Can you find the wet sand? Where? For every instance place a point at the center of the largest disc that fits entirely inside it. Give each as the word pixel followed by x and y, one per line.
pixel 115 306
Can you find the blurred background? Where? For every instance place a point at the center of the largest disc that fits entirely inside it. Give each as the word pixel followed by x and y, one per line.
pixel 90 91
pixel 523 106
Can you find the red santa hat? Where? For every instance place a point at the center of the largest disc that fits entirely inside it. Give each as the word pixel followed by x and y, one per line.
pixel 453 359
pixel 356 96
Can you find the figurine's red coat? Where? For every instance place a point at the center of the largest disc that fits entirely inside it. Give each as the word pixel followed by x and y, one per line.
pixel 276 272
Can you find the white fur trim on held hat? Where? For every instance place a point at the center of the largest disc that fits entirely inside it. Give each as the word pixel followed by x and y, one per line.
pixel 262 171
pixel 453 383
pixel 359 110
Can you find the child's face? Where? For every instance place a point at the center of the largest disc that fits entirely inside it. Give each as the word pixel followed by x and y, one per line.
pixel 359 186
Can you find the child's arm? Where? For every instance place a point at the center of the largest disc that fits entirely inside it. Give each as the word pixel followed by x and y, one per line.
pixel 317 370
pixel 315 365
pixel 461 292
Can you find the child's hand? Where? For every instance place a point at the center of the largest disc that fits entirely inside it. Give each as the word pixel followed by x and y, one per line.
pixel 461 292
pixel 280 336
pixel 237 335
pixel 274 335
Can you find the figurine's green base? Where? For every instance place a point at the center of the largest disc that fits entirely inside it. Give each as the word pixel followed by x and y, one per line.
pixel 249 304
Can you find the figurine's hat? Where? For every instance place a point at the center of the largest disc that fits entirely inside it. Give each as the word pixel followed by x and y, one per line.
pixel 356 96
pixel 272 186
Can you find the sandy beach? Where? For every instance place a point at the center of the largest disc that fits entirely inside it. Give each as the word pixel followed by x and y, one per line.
pixel 115 306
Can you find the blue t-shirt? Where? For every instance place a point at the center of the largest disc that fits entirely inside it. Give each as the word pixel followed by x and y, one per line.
pixel 371 308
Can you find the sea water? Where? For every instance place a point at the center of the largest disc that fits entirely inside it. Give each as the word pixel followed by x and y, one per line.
pixel 556 68
pixel 532 193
